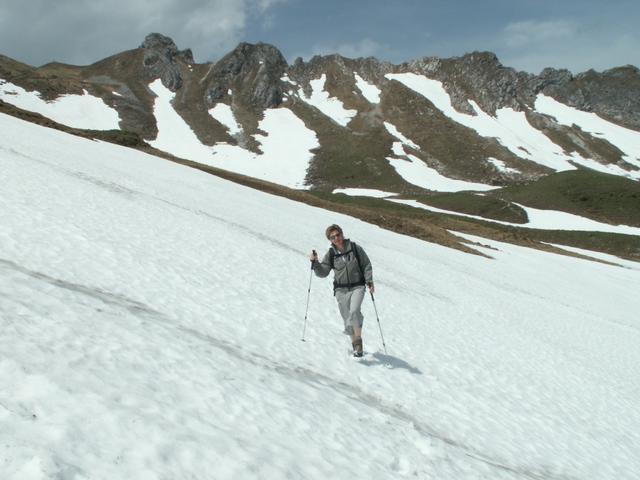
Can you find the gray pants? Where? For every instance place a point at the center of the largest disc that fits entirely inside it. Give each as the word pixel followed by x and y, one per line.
pixel 349 303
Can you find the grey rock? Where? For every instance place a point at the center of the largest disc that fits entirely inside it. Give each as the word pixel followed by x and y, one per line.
pixel 613 94
pixel 251 71
pixel 477 76
pixel 159 60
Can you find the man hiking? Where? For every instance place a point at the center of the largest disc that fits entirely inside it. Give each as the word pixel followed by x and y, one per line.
pixel 352 271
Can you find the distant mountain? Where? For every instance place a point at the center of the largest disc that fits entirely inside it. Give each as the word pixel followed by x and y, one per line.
pixel 429 130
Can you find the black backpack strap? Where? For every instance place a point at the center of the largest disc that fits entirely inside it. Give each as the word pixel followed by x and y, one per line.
pixel 354 247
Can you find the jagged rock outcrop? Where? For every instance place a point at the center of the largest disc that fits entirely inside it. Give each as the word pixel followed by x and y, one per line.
pixel 477 76
pixel 337 67
pixel 160 54
pixel 614 94
pixel 251 71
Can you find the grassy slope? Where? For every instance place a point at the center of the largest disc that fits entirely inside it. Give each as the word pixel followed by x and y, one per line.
pixel 472 204
pixel 599 196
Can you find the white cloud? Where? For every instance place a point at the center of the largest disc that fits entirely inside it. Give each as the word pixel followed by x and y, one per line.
pixel 519 34
pixel 532 45
pixel 265 5
pixel 81 31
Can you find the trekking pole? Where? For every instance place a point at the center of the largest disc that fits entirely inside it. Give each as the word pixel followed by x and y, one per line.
pixel 304 329
pixel 378 318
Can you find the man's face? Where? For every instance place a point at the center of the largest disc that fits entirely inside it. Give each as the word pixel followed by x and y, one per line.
pixel 336 238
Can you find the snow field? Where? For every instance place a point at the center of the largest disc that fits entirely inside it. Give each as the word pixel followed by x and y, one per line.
pixel 285 149
pixel 391 128
pixel 513 131
pixel 368 90
pixel 511 128
pixel 501 166
pixel 223 113
pixel 539 219
pixel 416 172
pixel 151 319
pixel 330 106
pixel 625 139
pixel 365 192
pixel 78 111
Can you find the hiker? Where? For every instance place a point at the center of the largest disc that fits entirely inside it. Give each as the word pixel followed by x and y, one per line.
pixel 352 271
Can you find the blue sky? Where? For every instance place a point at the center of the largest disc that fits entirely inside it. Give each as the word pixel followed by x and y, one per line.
pixel 525 34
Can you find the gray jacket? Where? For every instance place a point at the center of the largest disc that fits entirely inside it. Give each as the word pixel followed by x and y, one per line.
pixel 345 266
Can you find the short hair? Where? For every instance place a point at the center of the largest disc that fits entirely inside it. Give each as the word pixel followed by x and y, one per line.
pixel 332 228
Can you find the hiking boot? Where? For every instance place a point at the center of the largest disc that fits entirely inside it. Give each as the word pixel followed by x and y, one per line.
pixel 357 347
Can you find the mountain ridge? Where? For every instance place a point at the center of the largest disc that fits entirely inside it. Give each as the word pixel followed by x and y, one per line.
pixel 373 121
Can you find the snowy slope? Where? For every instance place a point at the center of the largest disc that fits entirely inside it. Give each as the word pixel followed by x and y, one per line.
pixel 509 127
pixel 513 130
pixel 332 107
pixel 150 322
pixel 416 172
pixel 79 111
pixel 539 219
pixel 628 141
pixel 286 145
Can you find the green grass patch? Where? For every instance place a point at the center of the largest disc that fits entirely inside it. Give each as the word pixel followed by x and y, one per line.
pixel 599 196
pixel 472 204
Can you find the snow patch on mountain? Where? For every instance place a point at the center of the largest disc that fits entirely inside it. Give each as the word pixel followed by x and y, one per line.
pixel 416 172
pixel 398 149
pixel 364 192
pixel 368 90
pixel 391 128
pixel 599 255
pixel 623 138
pixel 77 111
pixel 501 166
pixel 285 147
pixel 286 78
pixel 330 106
pixel 175 136
pixel 539 219
pixel 223 114
pixel 509 127
pixel 611 169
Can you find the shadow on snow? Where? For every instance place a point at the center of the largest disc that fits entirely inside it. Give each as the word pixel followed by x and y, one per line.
pixel 389 361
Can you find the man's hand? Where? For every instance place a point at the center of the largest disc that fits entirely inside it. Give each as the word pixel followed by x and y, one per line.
pixel 372 288
pixel 313 256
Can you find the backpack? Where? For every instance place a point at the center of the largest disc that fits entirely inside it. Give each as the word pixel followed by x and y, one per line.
pixel 332 255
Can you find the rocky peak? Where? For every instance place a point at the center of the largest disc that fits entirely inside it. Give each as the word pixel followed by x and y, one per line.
pixel 613 94
pixel 477 76
pixel 160 54
pixel 339 71
pixel 550 77
pixel 426 65
pixel 495 86
pixel 252 70
pixel 330 65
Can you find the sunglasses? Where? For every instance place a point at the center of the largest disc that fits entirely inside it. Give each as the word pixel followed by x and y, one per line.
pixel 334 236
